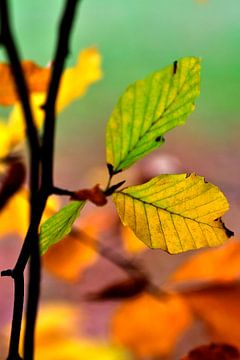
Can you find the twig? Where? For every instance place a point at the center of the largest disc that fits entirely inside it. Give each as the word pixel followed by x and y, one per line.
pixel 132 269
pixel 61 53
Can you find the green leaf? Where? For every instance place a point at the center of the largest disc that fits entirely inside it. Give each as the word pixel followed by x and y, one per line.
pixel 148 109
pixel 174 213
pixel 59 225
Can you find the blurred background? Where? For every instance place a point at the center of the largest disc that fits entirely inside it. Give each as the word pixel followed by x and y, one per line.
pixel 135 38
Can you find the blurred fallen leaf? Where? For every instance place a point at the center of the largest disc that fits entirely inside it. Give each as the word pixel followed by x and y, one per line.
pixel 150 326
pixel 69 257
pixel 212 265
pixel 219 308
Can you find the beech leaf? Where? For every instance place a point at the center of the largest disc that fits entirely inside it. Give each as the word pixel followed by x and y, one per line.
pixel 148 109
pixel 174 213
pixel 59 225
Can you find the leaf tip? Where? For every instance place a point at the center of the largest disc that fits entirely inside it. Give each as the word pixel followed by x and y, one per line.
pixel 228 232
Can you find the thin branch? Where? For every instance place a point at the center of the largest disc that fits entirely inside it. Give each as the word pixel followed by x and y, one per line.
pixel 22 89
pixel 61 53
pixel 132 269
pixel 33 141
pixel 62 192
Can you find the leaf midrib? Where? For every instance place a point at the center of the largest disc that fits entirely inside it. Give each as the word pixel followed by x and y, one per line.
pixel 159 118
pixel 168 211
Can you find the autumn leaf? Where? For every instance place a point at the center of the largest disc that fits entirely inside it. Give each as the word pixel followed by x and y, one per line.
pixel 74 84
pixel 214 352
pixel 19 206
pixel 148 109
pixel 37 79
pixel 5 140
pixel 220 265
pixel 218 307
pixel 175 213
pixel 68 258
pixel 143 324
pixel 76 80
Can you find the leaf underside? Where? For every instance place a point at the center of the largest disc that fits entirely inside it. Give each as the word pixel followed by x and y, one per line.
pixel 174 213
pixel 59 225
pixel 148 109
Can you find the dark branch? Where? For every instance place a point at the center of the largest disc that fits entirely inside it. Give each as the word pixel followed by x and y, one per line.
pixel 61 53
pixel 62 192
pixel 38 197
pixel 47 166
pixel 22 89
pixel 33 141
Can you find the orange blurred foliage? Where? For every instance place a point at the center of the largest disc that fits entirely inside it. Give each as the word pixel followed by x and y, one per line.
pixel 150 326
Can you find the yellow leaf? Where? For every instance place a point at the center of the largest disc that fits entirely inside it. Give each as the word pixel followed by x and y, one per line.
pixel 150 326
pixel 175 213
pixel 76 80
pixel 215 265
pixel 82 350
pixel 5 140
pixel 16 122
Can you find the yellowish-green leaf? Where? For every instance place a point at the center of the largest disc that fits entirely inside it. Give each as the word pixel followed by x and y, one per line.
pixel 59 225
pixel 148 109
pixel 175 213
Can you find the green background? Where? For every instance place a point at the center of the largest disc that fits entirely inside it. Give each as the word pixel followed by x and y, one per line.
pixel 136 37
